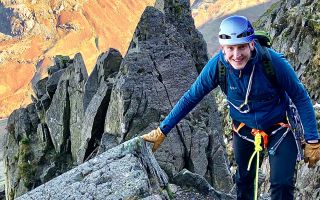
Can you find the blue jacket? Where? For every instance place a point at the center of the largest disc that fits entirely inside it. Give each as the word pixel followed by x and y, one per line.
pixel 267 103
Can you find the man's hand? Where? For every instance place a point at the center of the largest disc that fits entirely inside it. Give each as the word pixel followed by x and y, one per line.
pixel 156 137
pixel 312 154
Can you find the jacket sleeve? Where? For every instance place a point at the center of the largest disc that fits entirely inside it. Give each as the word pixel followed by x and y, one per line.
pixel 289 81
pixel 204 83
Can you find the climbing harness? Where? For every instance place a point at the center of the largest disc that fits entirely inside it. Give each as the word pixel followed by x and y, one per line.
pixel 273 149
pixel 258 135
pixel 265 136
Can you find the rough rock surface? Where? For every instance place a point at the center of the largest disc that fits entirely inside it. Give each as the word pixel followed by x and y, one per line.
pixel 128 171
pixel 178 13
pixel 107 67
pixel 79 117
pixel 188 179
pixel 145 91
pixel 21 126
pixel 67 100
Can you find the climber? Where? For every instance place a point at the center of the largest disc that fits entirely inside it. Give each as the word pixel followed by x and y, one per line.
pixel 256 107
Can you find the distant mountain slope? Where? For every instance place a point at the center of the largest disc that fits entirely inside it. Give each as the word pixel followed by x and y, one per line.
pixel 208 16
pixel 41 30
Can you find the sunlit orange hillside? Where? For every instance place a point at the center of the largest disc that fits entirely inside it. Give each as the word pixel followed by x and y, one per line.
pixel 61 27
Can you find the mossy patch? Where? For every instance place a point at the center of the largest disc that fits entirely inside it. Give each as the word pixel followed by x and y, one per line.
pixel 27 169
pixel 177 8
pixel 170 192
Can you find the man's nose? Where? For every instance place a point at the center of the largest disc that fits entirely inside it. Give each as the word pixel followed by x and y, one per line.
pixel 236 53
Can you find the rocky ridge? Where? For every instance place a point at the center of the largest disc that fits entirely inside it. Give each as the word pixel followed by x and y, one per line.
pixel 306 189
pixel 75 117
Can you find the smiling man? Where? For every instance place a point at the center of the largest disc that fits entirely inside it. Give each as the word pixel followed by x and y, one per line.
pixel 238 55
pixel 257 107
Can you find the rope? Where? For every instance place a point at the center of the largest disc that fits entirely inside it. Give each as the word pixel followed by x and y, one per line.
pixel 258 135
pixel 257 149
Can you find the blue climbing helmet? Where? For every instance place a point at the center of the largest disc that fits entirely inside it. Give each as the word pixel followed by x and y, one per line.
pixel 235 30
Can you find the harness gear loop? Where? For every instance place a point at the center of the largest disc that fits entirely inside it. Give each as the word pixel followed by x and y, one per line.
pixel 239 127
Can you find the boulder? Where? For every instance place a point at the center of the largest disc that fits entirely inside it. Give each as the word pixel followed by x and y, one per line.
pixel 128 171
pixel 189 180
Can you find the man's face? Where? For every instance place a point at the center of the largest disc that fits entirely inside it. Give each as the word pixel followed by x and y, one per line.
pixel 238 55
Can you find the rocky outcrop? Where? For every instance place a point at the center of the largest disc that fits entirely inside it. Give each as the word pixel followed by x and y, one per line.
pixel 19 155
pixel 107 67
pixel 33 32
pixel 128 171
pixel 38 151
pixel 145 91
pixel 96 101
pixel 65 115
pixel 79 117
pixel 178 13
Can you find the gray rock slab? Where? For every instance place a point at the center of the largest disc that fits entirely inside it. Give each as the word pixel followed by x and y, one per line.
pixel 107 65
pixel 128 171
pixel 93 122
pixel 58 116
pixel 53 81
pixel 188 179
pixel 40 87
pixel 77 78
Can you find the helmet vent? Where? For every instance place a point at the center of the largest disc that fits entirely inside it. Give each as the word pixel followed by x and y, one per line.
pixel 244 34
pixel 224 36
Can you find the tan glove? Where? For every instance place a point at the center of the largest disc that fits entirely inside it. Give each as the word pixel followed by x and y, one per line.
pixel 156 137
pixel 312 154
